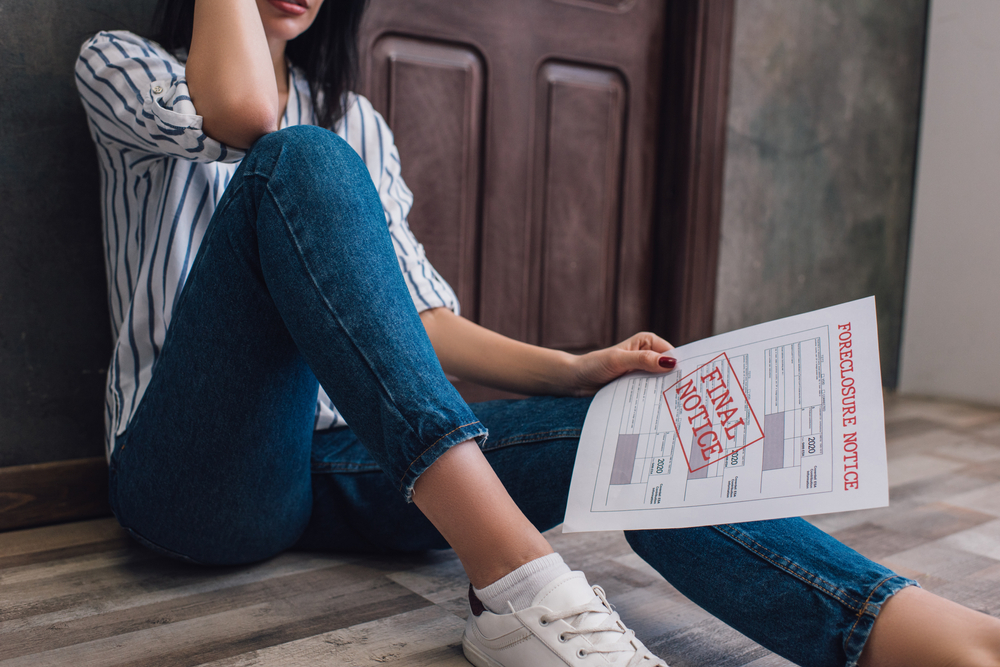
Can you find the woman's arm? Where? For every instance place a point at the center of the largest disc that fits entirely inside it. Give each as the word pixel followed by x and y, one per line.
pixel 471 352
pixel 230 72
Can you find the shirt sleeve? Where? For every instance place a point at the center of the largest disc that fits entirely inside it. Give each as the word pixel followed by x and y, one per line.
pixel 136 98
pixel 369 134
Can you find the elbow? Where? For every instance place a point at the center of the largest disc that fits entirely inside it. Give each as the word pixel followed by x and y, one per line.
pixel 240 122
pixel 255 123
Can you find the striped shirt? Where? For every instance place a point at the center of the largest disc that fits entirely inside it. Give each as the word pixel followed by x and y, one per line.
pixel 161 179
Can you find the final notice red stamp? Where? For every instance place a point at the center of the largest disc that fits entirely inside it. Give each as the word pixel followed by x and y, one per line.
pixel 711 414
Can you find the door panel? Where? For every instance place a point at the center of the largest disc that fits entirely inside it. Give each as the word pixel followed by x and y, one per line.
pixel 577 206
pixel 432 97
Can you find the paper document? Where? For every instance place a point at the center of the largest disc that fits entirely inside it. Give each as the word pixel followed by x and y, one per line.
pixel 776 420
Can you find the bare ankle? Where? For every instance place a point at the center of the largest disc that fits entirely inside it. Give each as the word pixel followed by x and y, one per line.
pixel 467 503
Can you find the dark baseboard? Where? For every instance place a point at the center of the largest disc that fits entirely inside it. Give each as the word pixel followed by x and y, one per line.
pixel 56 492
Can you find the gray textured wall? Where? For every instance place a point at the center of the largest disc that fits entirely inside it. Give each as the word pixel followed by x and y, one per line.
pixel 824 106
pixel 55 337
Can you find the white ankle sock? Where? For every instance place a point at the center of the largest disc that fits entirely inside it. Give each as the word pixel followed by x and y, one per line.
pixel 522 585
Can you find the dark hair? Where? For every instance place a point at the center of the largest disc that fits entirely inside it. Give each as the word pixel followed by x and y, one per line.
pixel 327 52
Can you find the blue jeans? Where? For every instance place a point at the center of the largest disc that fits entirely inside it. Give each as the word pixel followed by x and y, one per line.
pixel 296 284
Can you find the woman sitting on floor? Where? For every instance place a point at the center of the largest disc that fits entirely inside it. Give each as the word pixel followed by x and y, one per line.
pixel 277 379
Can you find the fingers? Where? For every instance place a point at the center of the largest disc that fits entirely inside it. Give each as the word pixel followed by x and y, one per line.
pixel 595 369
pixel 648 360
pixel 646 340
pixel 660 345
pixel 645 351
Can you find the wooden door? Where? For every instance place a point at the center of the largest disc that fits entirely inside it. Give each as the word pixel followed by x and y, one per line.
pixel 529 132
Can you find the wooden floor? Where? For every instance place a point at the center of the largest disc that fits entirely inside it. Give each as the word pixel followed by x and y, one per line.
pixel 82 594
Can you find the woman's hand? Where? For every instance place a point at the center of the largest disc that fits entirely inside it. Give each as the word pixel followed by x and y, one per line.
pixel 642 352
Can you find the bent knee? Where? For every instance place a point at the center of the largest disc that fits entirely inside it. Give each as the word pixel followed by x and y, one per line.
pixel 297 137
pixel 311 153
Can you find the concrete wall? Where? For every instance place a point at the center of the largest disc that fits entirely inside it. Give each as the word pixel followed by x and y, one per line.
pixel 55 337
pixel 822 132
pixel 953 292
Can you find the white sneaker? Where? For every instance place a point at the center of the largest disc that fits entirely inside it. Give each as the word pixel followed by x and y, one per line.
pixel 568 623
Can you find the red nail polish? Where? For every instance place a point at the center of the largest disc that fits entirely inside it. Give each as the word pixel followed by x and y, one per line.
pixel 667 362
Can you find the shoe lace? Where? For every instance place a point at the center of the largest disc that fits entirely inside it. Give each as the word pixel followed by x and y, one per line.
pixel 625 643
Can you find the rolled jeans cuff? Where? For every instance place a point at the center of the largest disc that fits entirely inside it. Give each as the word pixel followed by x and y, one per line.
pixel 858 636
pixel 471 431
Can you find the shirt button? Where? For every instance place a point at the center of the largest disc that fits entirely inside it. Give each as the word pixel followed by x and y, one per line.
pixel 157 89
